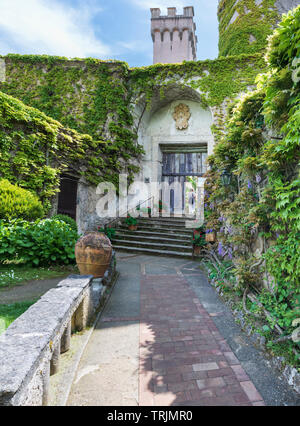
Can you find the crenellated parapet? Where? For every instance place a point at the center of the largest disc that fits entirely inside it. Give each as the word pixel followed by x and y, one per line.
pixel 174 36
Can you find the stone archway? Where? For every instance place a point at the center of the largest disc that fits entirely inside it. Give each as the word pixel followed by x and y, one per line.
pixel 177 124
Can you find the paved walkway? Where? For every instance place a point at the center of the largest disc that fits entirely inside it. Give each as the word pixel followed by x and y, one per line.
pixel 166 339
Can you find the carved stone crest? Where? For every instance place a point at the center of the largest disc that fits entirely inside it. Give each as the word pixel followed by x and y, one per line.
pixel 182 115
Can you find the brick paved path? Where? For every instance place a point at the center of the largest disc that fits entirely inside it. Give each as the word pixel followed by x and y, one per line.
pixel 183 357
pixel 165 338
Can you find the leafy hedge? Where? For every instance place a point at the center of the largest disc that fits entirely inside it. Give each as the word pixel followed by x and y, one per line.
pixel 38 243
pixel 17 203
pixel 66 219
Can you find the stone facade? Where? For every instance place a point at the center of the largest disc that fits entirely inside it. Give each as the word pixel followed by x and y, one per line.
pixel 174 38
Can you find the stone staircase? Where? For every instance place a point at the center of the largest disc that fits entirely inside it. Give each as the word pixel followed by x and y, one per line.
pixel 156 236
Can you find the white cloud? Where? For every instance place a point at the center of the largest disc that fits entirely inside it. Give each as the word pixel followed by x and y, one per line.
pixel 49 27
pixel 162 4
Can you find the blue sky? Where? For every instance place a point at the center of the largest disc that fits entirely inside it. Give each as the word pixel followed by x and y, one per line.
pixel 105 29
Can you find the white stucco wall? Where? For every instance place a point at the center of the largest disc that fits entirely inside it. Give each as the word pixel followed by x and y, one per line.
pixel 160 129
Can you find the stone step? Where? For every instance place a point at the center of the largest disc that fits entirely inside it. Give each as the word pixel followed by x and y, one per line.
pixel 154 252
pixel 161 235
pixel 162 224
pixel 155 246
pixel 159 229
pixel 170 221
pixel 172 240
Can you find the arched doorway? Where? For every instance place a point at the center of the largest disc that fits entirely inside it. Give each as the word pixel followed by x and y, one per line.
pixel 176 135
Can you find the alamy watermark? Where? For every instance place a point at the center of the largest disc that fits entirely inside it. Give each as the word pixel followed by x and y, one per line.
pixel 156 198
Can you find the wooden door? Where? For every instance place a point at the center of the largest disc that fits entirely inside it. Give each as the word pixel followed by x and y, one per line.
pixel 177 167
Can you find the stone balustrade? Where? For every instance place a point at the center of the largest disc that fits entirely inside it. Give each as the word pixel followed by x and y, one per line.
pixel 30 348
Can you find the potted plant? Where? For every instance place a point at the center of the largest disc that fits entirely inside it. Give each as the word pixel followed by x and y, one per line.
pixel 131 222
pixel 198 241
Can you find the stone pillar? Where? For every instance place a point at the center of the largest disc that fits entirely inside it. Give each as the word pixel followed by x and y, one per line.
pixel 54 364
pixel 66 339
pixel 81 315
pixel 46 384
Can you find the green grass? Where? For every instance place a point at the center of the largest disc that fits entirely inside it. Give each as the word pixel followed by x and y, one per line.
pixel 8 313
pixel 12 275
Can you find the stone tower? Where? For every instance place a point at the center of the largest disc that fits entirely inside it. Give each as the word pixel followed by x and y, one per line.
pixel 244 25
pixel 174 38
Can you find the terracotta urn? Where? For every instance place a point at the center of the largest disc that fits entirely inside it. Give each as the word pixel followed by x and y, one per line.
pixel 132 227
pixel 93 254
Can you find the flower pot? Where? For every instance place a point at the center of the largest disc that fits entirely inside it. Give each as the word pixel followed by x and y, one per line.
pixel 132 227
pixel 93 254
pixel 197 250
pixel 211 237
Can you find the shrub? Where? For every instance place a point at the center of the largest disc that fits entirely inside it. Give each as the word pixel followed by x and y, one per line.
pixel 18 203
pixel 66 219
pixel 38 243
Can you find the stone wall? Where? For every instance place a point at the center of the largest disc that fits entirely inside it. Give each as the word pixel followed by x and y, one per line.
pixel 30 348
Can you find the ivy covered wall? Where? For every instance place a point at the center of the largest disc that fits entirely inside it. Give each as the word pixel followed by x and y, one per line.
pixel 257 216
pixel 244 25
pixel 89 96
pixel 35 149
pixel 97 97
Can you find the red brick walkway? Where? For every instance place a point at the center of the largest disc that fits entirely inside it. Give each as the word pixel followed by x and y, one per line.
pixel 183 358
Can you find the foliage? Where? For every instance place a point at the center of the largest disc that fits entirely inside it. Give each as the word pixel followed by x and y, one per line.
pixel 95 97
pixel 38 243
pixel 216 80
pixel 261 206
pixel 9 313
pixel 130 220
pixel 35 149
pixel 18 203
pixel 89 96
pixel 66 219
pixel 245 25
pixel 109 232
pixel 198 238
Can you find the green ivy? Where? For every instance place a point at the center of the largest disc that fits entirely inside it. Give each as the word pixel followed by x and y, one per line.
pixel 261 149
pixel 248 33
pixel 89 96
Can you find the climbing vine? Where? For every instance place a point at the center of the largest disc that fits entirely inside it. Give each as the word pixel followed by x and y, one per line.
pixel 89 96
pixel 216 80
pixel 260 209
pixel 245 25
pixel 95 98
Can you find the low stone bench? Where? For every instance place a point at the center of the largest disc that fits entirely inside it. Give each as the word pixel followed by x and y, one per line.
pixel 31 346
